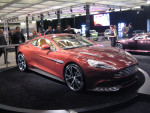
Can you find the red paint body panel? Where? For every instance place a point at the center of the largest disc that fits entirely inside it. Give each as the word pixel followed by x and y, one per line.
pixel 45 60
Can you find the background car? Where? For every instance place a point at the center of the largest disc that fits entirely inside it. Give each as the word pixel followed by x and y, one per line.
pixel 93 35
pixel 136 32
pixel 78 62
pixel 139 43
pixel 107 32
pixel 77 31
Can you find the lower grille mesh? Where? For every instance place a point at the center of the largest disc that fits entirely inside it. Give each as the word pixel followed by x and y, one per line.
pixel 127 71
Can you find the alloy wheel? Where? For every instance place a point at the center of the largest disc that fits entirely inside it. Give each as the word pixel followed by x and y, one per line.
pixel 119 45
pixel 74 77
pixel 22 62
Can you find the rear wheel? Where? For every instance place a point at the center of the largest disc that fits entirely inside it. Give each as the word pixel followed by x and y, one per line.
pixel 119 45
pixel 74 77
pixel 22 65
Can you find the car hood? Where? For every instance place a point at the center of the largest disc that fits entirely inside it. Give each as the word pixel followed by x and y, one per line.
pixel 113 56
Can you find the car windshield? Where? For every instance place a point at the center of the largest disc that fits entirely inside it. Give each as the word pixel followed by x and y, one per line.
pixel 69 42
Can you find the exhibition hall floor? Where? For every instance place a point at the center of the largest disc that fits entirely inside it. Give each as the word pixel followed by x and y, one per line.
pixel 29 91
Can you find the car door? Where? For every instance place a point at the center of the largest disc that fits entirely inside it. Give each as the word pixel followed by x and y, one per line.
pixel 45 58
pixel 130 44
pixel 144 43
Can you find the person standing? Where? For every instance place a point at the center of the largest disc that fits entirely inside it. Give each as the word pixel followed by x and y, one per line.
pixel 49 30
pixel 17 38
pixel 3 42
pixel 34 34
pixel 113 36
pixel 58 30
pixel 130 31
pixel 115 28
pixel 69 30
pixel 10 36
pixel 124 30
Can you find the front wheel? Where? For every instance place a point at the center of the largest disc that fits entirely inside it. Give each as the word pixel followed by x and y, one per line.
pixel 73 76
pixel 22 62
pixel 119 45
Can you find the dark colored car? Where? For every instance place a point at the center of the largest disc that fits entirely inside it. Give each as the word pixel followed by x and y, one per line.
pixel 78 62
pixel 139 43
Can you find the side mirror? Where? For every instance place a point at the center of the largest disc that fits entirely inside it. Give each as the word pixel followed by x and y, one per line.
pixel 45 46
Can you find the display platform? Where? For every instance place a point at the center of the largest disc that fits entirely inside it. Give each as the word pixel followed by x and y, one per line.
pixel 31 90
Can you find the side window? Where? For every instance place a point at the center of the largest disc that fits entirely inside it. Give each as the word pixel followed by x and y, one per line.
pixel 34 42
pixel 139 38
pixel 43 41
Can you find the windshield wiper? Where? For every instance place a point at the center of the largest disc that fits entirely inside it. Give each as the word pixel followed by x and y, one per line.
pixel 71 47
pixel 78 46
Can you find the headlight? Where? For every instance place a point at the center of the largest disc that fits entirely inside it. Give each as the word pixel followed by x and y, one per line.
pixel 99 64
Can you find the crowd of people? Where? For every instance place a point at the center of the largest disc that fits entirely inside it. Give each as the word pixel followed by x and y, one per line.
pixel 17 37
pixel 51 31
pixel 2 42
pixel 127 31
pixel 59 30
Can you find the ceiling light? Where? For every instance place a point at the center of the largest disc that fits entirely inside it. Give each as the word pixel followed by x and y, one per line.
pixel 148 1
pixel 125 9
pixel 137 7
pixel 77 15
pixel 94 13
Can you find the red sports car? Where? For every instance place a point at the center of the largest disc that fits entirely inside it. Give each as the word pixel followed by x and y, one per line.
pixel 139 43
pixel 78 62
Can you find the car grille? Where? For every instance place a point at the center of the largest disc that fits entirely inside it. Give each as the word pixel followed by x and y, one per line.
pixel 116 85
pixel 127 71
pixel 117 81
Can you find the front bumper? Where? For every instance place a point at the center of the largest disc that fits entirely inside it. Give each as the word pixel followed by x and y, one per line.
pixel 113 81
pixel 117 87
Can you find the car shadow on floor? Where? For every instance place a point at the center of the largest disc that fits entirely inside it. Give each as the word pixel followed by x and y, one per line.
pixel 140 53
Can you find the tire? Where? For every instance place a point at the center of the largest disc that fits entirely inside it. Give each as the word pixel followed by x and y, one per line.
pixel 22 65
pixel 119 45
pixel 74 78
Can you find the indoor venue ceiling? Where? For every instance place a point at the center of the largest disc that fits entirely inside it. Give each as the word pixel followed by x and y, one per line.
pixel 19 9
